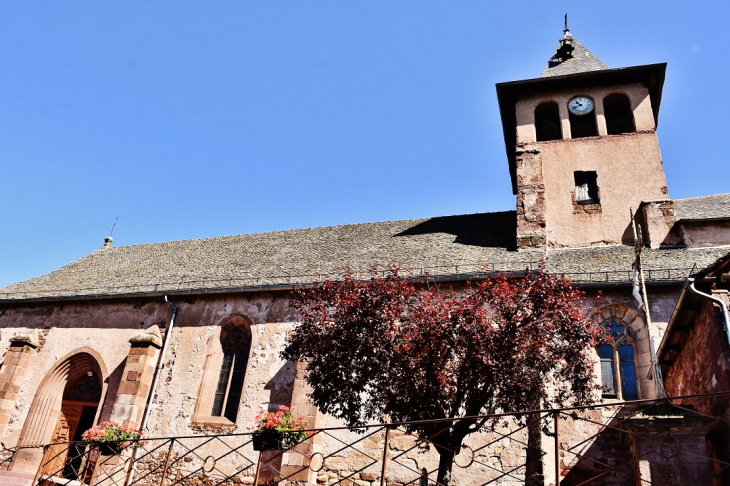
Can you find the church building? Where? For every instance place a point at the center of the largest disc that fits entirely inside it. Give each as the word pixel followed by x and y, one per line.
pixel 183 338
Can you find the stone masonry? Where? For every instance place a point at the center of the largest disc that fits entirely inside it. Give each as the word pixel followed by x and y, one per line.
pixel 530 199
pixel 12 373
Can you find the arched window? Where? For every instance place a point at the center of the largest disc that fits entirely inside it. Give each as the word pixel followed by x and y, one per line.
pixel 547 122
pixel 619 117
pixel 236 344
pixel 618 362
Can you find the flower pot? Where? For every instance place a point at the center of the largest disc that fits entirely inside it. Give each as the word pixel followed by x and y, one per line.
pixel 271 441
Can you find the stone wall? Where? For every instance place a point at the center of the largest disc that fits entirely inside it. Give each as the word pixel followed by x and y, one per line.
pixel 115 331
pixel 530 199
pixel 703 366
pixel 657 219
pixel 705 233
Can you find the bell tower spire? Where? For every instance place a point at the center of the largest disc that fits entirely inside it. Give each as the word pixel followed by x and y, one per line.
pixel 571 57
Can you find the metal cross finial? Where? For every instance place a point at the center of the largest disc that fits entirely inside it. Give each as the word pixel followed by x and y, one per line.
pixel 566 24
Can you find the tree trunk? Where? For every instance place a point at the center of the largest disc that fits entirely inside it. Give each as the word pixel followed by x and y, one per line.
pixel 446 462
pixel 533 459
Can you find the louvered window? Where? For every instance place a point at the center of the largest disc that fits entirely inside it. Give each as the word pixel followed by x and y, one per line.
pixel 586 187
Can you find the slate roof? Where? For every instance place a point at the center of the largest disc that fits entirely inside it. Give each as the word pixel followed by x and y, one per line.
pixel 581 60
pixel 612 263
pixel 441 246
pixel 712 207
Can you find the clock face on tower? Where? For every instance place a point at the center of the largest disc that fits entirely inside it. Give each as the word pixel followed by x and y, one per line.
pixel 580 105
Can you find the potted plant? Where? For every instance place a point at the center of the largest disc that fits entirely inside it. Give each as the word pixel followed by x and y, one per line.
pixel 278 430
pixel 111 438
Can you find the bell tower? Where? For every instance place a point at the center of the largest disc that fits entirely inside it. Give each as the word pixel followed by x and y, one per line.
pixel 582 148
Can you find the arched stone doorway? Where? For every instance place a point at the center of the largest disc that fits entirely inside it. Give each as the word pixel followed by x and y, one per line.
pixel 65 405
pixel 79 408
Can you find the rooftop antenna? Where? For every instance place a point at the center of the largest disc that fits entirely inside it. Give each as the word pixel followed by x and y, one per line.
pixel 115 223
pixel 108 240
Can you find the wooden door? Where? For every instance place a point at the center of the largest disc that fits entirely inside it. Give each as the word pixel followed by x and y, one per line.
pixel 68 421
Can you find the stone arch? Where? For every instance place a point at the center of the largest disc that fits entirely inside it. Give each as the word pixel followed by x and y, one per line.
pixel 46 404
pixel 618 111
pixel 643 350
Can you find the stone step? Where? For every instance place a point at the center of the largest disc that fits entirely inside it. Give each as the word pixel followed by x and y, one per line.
pixel 11 478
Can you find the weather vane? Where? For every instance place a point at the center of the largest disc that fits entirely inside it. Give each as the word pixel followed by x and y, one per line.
pixel 566 23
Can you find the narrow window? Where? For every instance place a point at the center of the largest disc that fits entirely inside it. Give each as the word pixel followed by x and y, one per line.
pixel 628 371
pixel 608 373
pixel 236 343
pixel 619 117
pixel 619 355
pixel 583 125
pixel 586 187
pixel 547 122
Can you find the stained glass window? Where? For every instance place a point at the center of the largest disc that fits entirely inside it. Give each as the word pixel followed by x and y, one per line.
pixel 618 362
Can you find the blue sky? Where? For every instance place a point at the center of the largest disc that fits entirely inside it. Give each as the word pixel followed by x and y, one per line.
pixel 192 119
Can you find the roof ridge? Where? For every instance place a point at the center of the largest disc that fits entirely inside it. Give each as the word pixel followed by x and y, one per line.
pixel 703 197
pixel 292 230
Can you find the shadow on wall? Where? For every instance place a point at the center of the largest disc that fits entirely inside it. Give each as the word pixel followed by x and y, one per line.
pixel 112 381
pixel 281 388
pixel 607 460
pixel 489 230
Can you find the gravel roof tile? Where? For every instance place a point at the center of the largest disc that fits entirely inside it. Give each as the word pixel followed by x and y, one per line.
pixel 449 245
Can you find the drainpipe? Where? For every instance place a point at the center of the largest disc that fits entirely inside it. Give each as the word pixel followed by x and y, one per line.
pixel 160 365
pixel 723 306
pixel 153 389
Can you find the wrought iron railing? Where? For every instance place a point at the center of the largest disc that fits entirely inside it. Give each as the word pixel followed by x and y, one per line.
pixel 609 443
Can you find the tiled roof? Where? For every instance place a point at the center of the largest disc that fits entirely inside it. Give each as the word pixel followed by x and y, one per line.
pixel 451 245
pixel 719 266
pixel 612 263
pixel 581 59
pixel 716 206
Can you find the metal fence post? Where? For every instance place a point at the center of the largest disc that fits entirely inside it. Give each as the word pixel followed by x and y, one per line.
pixel 385 455
pixel 556 416
pixel 258 469
pixel 167 462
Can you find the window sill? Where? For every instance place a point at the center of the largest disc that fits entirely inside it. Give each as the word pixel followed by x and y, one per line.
pixel 586 208
pixel 211 421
